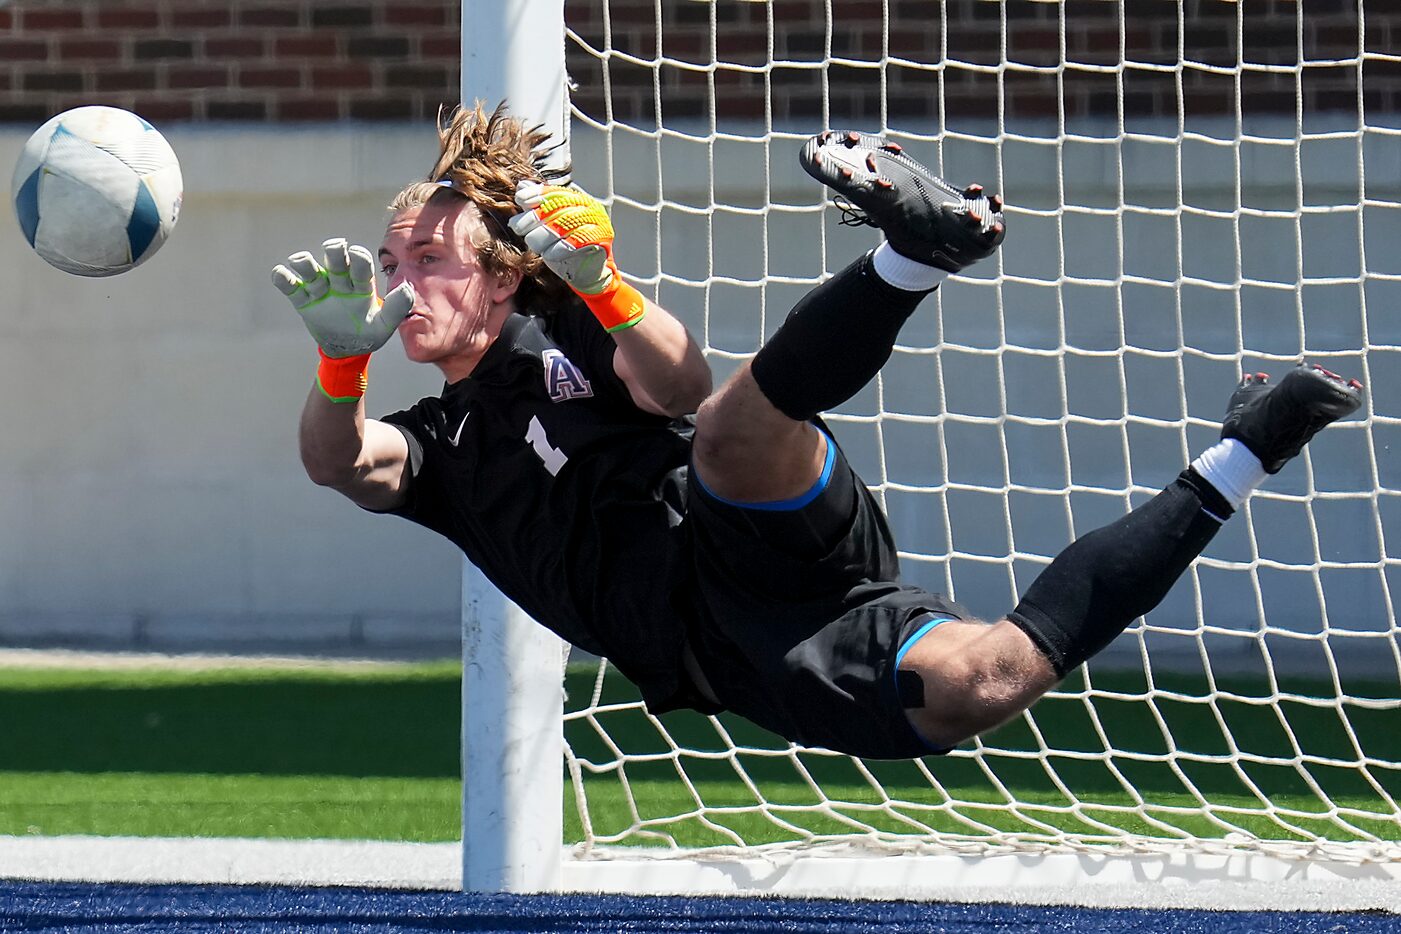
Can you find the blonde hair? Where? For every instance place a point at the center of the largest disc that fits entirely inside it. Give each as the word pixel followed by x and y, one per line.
pixel 481 158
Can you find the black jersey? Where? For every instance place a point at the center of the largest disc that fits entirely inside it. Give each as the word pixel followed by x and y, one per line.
pixel 566 495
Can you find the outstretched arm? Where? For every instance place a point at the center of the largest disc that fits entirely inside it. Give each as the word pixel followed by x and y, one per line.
pixel 657 359
pixel 364 459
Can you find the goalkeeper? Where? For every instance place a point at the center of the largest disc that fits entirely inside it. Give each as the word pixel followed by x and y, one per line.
pixel 728 559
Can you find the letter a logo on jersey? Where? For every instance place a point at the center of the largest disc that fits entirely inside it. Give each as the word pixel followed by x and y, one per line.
pixel 563 379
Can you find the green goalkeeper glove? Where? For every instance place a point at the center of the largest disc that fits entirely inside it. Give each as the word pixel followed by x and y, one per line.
pixel 338 304
pixel 337 299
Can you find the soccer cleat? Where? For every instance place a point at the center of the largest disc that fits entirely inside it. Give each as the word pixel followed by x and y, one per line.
pixel 922 216
pixel 1275 422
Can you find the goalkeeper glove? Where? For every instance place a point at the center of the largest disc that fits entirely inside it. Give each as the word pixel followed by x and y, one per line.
pixel 572 233
pixel 339 306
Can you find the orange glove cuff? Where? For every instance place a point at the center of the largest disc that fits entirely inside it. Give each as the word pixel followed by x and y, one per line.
pixel 617 307
pixel 342 379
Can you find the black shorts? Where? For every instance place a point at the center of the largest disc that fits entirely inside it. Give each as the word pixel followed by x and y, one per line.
pixel 805 644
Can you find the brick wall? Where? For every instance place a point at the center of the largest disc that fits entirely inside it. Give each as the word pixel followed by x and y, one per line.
pixel 196 60
pixel 272 60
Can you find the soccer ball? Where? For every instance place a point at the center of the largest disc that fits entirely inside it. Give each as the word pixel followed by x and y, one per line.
pixel 97 191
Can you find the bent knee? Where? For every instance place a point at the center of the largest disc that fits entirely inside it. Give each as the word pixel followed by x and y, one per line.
pixel 975 678
pixel 962 700
pixel 715 435
pixel 747 453
pixel 732 418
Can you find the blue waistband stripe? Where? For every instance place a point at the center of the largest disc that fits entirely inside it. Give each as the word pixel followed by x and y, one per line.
pixel 786 505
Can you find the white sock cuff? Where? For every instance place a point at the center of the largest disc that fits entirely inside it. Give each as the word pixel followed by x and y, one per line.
pixel 1229 466
pixel 903 272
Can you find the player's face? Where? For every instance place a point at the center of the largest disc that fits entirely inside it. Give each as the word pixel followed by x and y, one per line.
pixel 459 306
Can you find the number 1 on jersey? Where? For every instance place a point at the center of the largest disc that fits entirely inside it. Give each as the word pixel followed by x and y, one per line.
pixel 551 456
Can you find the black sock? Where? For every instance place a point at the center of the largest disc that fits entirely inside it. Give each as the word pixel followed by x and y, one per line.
pixel 1212 500
pixel 1113 575
pixel 833 342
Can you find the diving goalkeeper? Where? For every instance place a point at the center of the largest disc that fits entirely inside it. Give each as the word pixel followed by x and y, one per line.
pixel 728 559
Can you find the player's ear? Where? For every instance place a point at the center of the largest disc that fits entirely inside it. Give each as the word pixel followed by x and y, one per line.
pixel 507 282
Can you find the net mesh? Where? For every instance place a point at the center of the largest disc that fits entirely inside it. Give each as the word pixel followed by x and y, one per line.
pixel 1189 198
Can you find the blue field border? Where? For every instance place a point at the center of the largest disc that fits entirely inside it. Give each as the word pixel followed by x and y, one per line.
pixel 77 907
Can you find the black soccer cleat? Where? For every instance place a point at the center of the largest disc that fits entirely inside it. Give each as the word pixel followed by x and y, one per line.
pixel 1275 422
pixel 922 216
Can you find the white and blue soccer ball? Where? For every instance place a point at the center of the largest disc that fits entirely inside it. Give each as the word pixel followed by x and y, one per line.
pixel 97 191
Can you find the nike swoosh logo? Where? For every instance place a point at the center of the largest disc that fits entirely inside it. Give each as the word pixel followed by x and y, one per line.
pixel 455 438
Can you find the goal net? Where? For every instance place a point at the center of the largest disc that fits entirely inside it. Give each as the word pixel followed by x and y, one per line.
pixel 1188 198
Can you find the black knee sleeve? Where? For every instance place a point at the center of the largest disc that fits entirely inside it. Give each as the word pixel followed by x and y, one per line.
pixel 1110 577
pixel 834 341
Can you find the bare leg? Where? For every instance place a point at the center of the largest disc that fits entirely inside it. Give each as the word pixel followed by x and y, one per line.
pixel 976 677
pixel 748 451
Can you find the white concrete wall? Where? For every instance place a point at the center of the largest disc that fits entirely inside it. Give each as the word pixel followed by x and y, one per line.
pixel 152 489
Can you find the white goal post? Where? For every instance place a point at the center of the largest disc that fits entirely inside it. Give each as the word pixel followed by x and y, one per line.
pixel 512 700
pixel 1177 213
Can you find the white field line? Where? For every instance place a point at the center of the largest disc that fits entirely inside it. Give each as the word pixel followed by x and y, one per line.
pixel 122 661
pixel 1228 883
pixel 210 860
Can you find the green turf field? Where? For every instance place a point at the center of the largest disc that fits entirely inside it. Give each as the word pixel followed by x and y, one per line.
pixel 252 752
pixel 373 754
